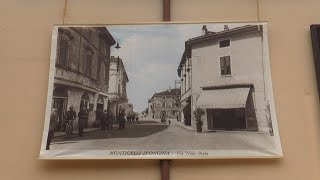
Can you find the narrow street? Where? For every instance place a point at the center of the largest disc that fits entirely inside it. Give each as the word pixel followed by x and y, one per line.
pixel 154 135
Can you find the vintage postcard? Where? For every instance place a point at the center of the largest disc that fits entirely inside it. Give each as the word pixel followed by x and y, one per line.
pixel 160 91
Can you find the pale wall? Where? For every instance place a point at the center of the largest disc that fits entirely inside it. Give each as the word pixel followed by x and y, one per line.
pixel 25 37
pixel 245 53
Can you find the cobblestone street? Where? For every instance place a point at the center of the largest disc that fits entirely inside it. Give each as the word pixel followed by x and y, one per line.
pixel 154 135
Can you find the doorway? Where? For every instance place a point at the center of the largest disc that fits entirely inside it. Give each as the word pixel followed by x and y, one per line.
pixel 84 102
pixel 100 108
pixel 60 101
pixel 226 119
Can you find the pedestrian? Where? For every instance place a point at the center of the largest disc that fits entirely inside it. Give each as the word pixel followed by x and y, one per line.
pixel 122 119
pixel 137 118
pixel 103 120
pixel 109 120
pixel 54 120
pixel 169 120
pixel 83 115
pixel 71 115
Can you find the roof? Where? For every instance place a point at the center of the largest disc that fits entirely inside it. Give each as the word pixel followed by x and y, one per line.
pixel 172 92
pixel 215 36
pixel 104 32
pixel 225 33
pixel 116 59
pixel 224 98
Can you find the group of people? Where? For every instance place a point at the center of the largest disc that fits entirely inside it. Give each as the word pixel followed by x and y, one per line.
pixel 106 121
pixel 132 117
pixel 70 116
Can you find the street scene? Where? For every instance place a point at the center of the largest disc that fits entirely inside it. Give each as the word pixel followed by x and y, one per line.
pixel 155 135
pixel 161 87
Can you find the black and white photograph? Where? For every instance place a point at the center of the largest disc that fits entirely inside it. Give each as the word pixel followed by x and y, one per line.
pixel 160 90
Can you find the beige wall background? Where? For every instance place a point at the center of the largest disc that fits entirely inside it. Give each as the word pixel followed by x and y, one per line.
pixel 25 39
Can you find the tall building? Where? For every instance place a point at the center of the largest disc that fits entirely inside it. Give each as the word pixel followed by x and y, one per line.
pixel 82 70
pixel 223 74
pixel 164 104
pixel 117 92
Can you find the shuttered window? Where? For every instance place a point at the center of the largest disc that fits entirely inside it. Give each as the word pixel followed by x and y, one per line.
pixel 224 43
pixel 99 69
pixel 225 65
pixel 63 52
pixel 88 64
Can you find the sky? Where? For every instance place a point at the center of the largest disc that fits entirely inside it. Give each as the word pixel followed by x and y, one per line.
pixel 151 55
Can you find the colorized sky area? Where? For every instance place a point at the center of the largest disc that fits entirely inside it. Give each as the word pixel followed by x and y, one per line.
pixel 151 55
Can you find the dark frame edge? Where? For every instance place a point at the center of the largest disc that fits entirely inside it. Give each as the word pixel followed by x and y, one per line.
pixel 315 33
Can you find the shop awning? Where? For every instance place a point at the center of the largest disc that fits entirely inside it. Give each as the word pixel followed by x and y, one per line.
pixel 223 98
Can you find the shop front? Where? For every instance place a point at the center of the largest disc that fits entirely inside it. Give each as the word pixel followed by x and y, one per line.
pixel 229 109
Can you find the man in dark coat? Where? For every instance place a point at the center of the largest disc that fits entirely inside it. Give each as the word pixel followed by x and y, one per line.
pixel 83 115
pixel 54 119
pixel 70 116
pixel 103 120
pixel 109 120
pixel 122 119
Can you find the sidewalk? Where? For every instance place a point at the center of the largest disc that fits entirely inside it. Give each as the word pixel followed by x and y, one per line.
pixel 58 134
pixel 190 128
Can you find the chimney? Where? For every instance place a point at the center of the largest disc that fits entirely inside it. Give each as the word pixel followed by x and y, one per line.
pixel 204 30
pixel 226 27
pixel 169 89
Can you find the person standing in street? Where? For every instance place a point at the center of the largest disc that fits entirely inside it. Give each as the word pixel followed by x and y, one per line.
pixel 169 120
pixel 109 120
pixel 122 119
pixel 103 120
pixel 54 120
pixel 83 115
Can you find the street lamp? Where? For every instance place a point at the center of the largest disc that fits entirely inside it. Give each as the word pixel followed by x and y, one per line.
pixel 117 46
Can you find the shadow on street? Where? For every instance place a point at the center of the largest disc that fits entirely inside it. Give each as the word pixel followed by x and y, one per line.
pixel 132 130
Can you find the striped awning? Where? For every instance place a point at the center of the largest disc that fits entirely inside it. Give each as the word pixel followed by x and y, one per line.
pixel 223 98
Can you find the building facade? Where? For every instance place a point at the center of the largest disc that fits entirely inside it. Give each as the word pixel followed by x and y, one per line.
pixel 184 72
pixel 117 92
pixel 164 104
pixel 224 74
pixel 82 70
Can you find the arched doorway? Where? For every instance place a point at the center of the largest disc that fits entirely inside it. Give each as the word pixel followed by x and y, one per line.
pixel 59 102
pixel 100 107
pixel 85 103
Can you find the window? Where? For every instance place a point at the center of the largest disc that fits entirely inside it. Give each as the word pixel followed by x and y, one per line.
pixel 99 69
pixel 88 63
pixel 224 43
pixel 106 74
pixel 163 97
pixel 225 65
pixel 64 39
pixel 63 52
pixel 163 104
pixel 103 47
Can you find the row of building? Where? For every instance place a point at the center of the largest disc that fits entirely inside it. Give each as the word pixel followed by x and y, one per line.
pixel 221 73
pixel 86 75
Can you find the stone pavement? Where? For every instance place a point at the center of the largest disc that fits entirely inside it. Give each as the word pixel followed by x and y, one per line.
pixel 75 131
pixel 154 135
